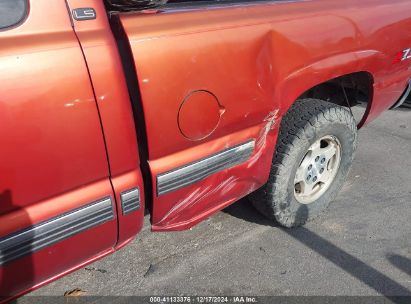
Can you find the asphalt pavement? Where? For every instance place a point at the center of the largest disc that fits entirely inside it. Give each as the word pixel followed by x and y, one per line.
pixel 360 247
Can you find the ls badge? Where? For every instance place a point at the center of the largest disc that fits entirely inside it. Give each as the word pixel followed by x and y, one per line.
pixel 86 13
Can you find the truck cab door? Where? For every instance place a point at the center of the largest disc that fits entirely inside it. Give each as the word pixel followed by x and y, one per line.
pixel 57 208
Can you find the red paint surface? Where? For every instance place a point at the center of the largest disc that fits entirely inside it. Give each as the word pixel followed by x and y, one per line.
pixel 32 270
pixel 67 130
pixel 54 153
pixel 50 133
pixel 255 59
pixel 113 102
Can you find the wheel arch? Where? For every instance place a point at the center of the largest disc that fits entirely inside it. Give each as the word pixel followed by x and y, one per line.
pixel 354 66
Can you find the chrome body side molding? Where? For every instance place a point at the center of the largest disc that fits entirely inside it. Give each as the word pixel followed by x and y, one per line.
pixel 130 201
pixel 47 233
pixel 199 170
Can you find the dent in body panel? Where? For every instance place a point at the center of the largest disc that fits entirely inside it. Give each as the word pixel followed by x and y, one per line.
pixel 202 192
pixel 244 67
pixel 257 61
pixel 226 186
pixel 271 121
pixel 196 196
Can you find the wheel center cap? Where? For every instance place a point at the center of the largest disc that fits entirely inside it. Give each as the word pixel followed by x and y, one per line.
pixel 317 169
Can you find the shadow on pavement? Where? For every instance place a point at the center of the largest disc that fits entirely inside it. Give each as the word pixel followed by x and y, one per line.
pixel 402 263
pixel 339 257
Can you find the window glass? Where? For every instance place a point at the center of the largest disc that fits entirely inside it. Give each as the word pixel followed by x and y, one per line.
pixel 178 3
pixel 12 12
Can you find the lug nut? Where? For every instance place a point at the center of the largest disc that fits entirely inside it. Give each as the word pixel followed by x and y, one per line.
pixel 323 160
pixel 310 167
pixel 321 170
pixel 317 158
pixel 315 179
pixel 309 177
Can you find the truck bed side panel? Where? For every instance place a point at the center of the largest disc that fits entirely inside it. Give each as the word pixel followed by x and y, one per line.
pixel 251 61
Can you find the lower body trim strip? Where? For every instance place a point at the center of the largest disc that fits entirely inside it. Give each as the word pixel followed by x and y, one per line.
pixel 130 201
pixel 54 230
pixel 201 169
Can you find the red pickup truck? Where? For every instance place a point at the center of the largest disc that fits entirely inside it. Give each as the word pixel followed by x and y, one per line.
pixel 113 109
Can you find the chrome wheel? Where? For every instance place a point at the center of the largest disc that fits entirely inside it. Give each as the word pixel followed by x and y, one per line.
pixel 317 169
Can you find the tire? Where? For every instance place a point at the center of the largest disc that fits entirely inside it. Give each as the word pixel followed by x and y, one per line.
pixel 307 123
pixel 135 4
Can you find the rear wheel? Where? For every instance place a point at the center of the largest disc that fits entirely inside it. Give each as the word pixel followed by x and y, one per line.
pixel 314 153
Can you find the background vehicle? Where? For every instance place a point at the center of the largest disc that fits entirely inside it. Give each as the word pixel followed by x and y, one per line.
pixel 178 112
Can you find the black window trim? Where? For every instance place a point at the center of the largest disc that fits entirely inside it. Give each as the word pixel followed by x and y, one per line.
pixel 193 4
pixel 178 5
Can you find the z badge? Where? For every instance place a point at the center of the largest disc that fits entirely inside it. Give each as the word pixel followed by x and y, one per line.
pixel 403 55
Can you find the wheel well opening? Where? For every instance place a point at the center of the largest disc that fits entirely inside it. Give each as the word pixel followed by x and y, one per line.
pixel 352 90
